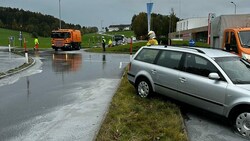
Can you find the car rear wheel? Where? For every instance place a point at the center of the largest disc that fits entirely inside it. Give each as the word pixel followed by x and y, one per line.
pixel 242 123
pixel 143 88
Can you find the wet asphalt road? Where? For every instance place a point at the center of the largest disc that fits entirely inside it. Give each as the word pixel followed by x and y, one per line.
pixel 202 125
pixel 63 97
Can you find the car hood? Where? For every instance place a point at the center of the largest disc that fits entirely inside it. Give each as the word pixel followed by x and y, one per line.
pixel 245 86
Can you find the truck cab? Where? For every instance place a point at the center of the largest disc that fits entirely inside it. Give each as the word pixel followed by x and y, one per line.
pixel 66 39
pixel 237 40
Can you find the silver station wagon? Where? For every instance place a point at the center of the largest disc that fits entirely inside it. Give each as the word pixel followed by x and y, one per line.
pixel 210 79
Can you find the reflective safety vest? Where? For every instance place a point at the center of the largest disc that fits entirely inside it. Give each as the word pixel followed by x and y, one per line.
pixel 152 42
pixel 110 42
pixel 36 41
pixel 103 41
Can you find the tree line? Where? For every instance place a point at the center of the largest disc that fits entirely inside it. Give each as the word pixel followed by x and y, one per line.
pixel 35 22
pixel 42 25
pixel 160 24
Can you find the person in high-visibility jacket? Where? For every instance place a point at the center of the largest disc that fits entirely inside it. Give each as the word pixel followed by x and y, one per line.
pixel 36 43
pixel 103 43
pixel 110 43
pixel 152 40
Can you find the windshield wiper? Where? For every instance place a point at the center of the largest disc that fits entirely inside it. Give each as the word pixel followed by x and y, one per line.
pixel 246 62
pixel 246 45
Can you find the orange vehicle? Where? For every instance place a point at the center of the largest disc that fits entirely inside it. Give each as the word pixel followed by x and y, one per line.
pixel 66 39
pixel 237 40
pixel 232 33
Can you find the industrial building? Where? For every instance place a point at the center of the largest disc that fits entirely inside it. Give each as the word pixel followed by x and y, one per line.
pixel 199 30
pixel 192 28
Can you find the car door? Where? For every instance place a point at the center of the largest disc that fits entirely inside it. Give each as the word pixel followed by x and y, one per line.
pixel 197 89
pixel 167 72
pixel 144 64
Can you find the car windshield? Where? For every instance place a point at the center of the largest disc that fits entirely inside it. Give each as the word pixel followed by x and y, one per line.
pixel 60 35
pixel 118 37
pixel 245 38
pixel 238 70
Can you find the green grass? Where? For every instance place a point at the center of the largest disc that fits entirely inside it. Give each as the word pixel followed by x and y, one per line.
pixel 127 34
pixel 119 49
pixel 186 43
pixel 131 118
pixel 94 39
pixel 88 40
pixel 5 34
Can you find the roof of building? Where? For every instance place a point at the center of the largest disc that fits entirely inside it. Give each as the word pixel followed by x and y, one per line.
pixel 120 25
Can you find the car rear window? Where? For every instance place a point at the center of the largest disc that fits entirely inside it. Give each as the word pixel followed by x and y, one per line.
pixel 169 59
pixel 147 55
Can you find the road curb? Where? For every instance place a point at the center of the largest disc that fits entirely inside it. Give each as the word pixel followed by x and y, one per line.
pixel 18 69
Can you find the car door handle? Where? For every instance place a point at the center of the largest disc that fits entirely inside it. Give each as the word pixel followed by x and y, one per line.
pixel 153 71
pixel 182 79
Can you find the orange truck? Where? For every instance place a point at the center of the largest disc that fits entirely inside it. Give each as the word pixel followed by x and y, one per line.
pixel 66 39
pixel 232 33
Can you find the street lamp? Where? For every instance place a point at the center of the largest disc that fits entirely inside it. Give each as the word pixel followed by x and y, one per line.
pixel 180 18
pixel 234 7
pixel 60 24
pixel 101 25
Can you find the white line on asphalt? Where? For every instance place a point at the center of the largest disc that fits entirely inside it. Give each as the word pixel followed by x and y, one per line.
pixel 120 65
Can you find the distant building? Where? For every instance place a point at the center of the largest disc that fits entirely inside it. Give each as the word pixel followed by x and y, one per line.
pixel 191 23
pixel 123 27
pixel 199 30
pixel 192 28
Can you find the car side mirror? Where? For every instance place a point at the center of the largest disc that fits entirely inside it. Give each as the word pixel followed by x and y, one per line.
pixel 214 76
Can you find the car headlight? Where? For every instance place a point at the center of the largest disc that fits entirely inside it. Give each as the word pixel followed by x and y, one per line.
pixel 246 56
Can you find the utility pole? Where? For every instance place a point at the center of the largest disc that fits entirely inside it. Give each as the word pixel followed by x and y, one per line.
pixel 180 19
pixel 60 23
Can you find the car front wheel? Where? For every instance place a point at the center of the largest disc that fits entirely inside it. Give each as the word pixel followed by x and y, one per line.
pixel 143 88
pixel 242 123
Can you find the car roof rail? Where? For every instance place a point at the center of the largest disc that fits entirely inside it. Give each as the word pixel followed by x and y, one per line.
pixel 198 50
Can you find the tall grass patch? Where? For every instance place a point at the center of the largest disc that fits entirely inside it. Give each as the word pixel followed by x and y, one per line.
pixel 131 118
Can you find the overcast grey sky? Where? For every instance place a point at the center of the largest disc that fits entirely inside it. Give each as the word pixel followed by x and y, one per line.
pixel 107 12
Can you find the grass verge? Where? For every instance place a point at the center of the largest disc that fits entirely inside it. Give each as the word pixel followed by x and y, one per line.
pixel 131 118
pixel 119 49
pixel 186 43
